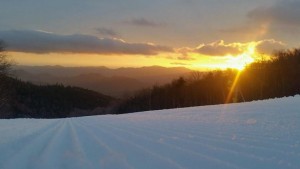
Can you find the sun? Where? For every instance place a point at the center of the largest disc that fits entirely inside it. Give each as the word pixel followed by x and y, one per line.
pixel 241 61
pixel 238 62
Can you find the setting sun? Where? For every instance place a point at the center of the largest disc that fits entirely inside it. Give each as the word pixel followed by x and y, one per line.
pixel 241 61
pixel 247 54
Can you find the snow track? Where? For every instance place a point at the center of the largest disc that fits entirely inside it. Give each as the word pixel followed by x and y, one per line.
pixel 262 134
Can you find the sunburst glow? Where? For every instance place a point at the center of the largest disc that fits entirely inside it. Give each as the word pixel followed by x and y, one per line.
pixel 241 61
pixel 238 62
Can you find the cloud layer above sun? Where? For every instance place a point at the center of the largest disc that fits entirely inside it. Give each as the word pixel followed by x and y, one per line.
pixel 219 48
pixel 31 41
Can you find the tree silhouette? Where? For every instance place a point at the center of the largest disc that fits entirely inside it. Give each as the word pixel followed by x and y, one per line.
pixel 264 79
pixel 5 65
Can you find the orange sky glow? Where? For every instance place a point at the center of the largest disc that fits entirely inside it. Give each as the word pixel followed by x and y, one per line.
pixel 191 59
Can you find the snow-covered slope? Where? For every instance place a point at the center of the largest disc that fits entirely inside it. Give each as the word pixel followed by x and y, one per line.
pixel 256 135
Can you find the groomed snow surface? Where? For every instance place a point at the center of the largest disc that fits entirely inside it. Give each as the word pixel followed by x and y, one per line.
pixel 255 135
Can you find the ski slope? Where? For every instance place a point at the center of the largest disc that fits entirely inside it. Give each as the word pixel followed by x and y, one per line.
pixel 255 135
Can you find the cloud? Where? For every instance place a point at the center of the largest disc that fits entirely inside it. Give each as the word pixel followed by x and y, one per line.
pixel 184 53
pixel 219 48
pixel 251 30
pixel 32 41
pixel 143 22
pixel 180 64
pixel 283 12
pixel 107 32
pixel 185 57
pixel 269 46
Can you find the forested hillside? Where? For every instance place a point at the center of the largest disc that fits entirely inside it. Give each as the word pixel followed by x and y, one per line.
pixel 25 99
pixel 265 79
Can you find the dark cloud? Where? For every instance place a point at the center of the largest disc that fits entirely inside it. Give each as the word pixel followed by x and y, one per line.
pixel 219 48
pixel 285 12
pixel 143 22
pixel 269 46
pixel 44 42
pixel 107 32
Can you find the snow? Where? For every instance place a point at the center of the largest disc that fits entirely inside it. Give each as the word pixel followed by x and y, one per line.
pixel 260 134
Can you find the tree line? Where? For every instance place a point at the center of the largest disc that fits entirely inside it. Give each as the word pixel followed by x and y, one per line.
pixel 5 65
pixel 49 101
pixel 24 99
pixel 277 77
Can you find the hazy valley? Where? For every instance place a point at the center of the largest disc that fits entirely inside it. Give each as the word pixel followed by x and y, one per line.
pixel 113 82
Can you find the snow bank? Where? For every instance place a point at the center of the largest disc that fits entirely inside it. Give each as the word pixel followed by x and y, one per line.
pixel 261 134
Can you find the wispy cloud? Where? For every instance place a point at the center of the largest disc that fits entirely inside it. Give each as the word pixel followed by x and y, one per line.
pixel 185 57
pixel 279 21
pixel 32 41
pixel 283 12
pixel 142 22
pixel 250 30
pixel 107 32
pixel 180 64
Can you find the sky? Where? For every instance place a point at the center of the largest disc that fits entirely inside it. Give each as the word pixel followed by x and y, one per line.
pixel 198 34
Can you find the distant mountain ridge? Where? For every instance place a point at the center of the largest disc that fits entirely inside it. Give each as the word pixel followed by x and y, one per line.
pixel 123 71
pixel 114 82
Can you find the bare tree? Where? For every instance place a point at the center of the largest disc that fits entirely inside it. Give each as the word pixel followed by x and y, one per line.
pixel 195 76
pixel 5 66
